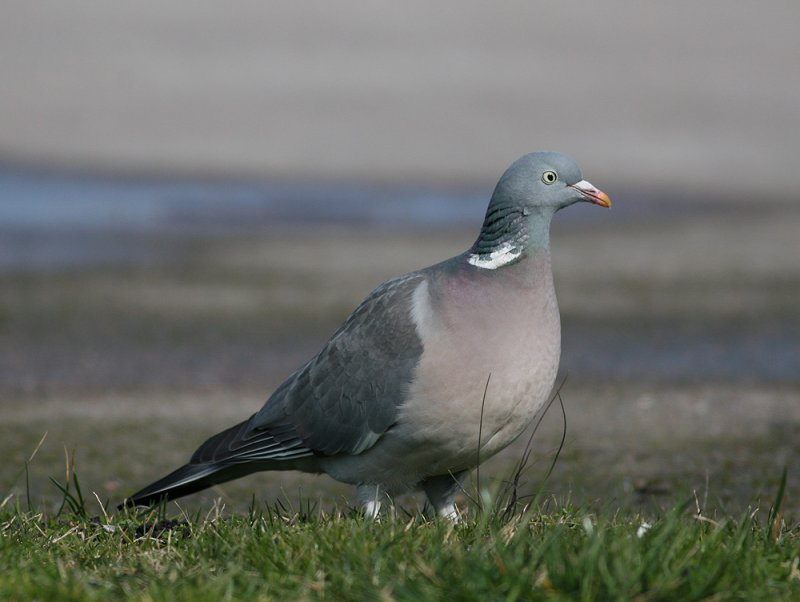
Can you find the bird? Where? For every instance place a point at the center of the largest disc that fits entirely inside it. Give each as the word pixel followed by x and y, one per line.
pixel 435 371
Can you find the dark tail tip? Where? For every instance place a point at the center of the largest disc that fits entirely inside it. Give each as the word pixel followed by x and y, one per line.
pixel 187 479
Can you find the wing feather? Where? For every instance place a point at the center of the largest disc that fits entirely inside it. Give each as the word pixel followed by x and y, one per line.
pixel 345 398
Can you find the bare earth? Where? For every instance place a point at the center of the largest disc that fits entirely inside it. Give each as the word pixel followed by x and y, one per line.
pixel 669 387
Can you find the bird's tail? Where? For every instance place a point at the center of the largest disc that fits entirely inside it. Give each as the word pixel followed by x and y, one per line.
pixel 233 453
pixel 189 478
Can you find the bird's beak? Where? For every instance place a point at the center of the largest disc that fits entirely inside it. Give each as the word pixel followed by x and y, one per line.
pixel 592 194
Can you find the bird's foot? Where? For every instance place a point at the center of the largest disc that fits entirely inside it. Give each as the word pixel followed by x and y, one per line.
pixel 450 512
pixel 371 498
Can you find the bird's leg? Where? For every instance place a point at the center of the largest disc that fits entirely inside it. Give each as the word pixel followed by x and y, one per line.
pixel 371 497
pixel 441 491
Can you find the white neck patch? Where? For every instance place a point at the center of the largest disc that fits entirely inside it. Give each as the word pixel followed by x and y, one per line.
pixel 496 259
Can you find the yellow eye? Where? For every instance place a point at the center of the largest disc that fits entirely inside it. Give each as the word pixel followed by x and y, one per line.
pixel 549 177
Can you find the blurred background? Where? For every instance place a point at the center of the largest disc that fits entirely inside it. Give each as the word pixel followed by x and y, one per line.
pixel 193 195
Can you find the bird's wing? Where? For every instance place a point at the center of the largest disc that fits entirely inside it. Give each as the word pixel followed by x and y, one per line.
pixel 348 395
pixel 345 398
pixel 246 442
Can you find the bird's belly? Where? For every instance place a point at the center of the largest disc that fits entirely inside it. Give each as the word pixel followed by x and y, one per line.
pixel 488 385
pixel 448 416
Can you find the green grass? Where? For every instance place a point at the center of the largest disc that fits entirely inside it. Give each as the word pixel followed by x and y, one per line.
pixel 544 552
pixel 505 548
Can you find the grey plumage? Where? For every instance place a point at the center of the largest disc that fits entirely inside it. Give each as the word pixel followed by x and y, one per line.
pixel 391 400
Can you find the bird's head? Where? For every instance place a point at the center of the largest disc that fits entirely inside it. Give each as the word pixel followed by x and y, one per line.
pixel 546 181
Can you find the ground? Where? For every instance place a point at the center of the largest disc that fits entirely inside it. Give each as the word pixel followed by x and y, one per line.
pixel 680 343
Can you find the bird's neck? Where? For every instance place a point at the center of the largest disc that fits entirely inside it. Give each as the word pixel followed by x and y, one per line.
pixel 509 235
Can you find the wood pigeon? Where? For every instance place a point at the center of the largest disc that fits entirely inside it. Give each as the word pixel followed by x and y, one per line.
pixel 397 398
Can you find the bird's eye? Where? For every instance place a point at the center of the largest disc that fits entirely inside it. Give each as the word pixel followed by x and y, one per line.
pixel 549 177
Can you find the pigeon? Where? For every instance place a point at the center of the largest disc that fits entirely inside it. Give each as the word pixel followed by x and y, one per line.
pixel 432 373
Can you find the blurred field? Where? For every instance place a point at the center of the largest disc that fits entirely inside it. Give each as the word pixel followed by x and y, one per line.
pixel 681 357
pixel 678 95
pixel 130 343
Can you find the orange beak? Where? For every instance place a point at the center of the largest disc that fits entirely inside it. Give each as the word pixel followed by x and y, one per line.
pixel 592 194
